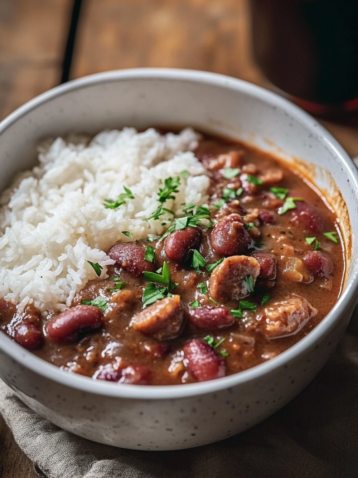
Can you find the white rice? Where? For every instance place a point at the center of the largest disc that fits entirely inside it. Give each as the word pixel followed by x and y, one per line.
pixel 52 219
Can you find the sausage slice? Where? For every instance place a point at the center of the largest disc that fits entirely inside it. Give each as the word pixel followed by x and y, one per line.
pixel 226 281
pixel 287 317
pixel 162 320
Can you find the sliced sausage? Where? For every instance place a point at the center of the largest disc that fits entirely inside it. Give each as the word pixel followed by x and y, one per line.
pixel 67 325
pixel 130 256
pixel 229 236
pixel 25 328
pixel 202 361
pixel 179 243
pixel 210 317
pixel 162 320
pixel 134 374
pixel 267 265
pixel 318 264
pixel 226 281
pixel 287 317
pixel 271 176
pixel 307 217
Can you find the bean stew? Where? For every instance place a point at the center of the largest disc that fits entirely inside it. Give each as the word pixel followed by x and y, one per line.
pixel 227 286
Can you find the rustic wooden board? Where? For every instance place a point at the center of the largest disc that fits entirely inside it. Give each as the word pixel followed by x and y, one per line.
pixel 32 37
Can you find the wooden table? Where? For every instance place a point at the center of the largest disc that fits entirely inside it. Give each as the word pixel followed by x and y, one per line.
pixel 35 54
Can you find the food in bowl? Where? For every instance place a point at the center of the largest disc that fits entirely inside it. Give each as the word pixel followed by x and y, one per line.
pixel 164 258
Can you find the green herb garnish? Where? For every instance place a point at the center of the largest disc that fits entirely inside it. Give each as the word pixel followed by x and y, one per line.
pixel 310 240
pixel 160 211
pixel 237 313
pixel 127 233
pixel 289 204
pixel 317 245
pixel 230 173
pixel 117 285
pixel 229 193
pixel 249 284
pixel 239 192
pixel 265 299
pixel 258 244
pixel 253 180
pixel 152 293
pixel 97 268
pixel 197 260
pixel 219 203
pixel 163 278
pixel 332 236
pixel 170 187
pixel 203 288
pixel 149 254
pixel 185 173
pixel 247 305
pixel 249 225
pixel 99 302
pixel 195 304
pixel 111 204
pixel 211 267
pixel 280 193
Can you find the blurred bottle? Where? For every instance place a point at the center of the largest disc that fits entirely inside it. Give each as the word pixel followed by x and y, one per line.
pixel 309 49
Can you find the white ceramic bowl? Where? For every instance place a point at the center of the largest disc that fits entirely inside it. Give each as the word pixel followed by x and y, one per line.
pixel 182 416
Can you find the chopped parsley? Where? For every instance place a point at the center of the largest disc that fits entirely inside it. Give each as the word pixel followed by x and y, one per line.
pixel 117 285
pixel 162 278
pixel 317 245
pixel 249 284
pixel 152 293
pixel 258 244
pixel 111 204
pixel 197 260
pixel 203 288
pixel 97 268
pixel 230 173
pixel 213 344
pixel 280 193
pixel 213 301
pixel 253 180
pixel 310 240
pixel 193 218
pixel 127 233
pixel 219 203
pixel 99 302
pixel 229 193
pixel 249 225
pixel 152 238
pixel 170 187
pixel 185 173
pixel 211 267
pixel 243 305
pixel 289 204
pixel 160 211
pixel 265 299
pixel 239 192
pixel 332 236
pixel 195 304
pixel 149 254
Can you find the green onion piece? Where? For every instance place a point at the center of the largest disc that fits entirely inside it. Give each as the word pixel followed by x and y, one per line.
pixel 229 193
pixel 152 293
pixel 211 267
pixel 310 240
pixel 99 302
pixel 253 180
pixel 239 192
pixel 317 245
pixel 249 225
pixel 247 305
pixel 230 173
pixel 149 254
pixel 97 268
pixel 118 286
pixel 195 304
pixel 127 233
pixel 203 288
pixel 216 345
pixel 249 284
pixel 289 204
pixel 197 260
pixel 224 353
pixel 219 203
pixel 265 299
pixel 280 193
pixel 237 313
pixel 332 236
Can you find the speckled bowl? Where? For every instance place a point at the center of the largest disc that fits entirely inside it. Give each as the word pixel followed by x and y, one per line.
pixel 174 417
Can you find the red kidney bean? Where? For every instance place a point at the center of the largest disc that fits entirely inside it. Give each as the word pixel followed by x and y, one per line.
pixel 267 217
pixel 130 256
pixel 318 264
pixel 25 328
pixel 155 349
pixel 67 325
pixel 308 217
pixel 134 374
pixel 202 361
pixel 267 265
pixel 179 243
pixel 229 236
pixel 210 317
pixel 162 320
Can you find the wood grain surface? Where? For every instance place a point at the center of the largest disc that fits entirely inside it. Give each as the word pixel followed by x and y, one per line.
pixel 114 34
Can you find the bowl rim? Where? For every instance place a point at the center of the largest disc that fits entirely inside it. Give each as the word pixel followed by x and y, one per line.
pixel 150 392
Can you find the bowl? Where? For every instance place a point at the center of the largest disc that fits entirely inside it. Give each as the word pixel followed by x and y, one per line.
pixel 181 416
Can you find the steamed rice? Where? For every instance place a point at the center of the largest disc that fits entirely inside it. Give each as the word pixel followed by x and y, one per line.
pixel 52 219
